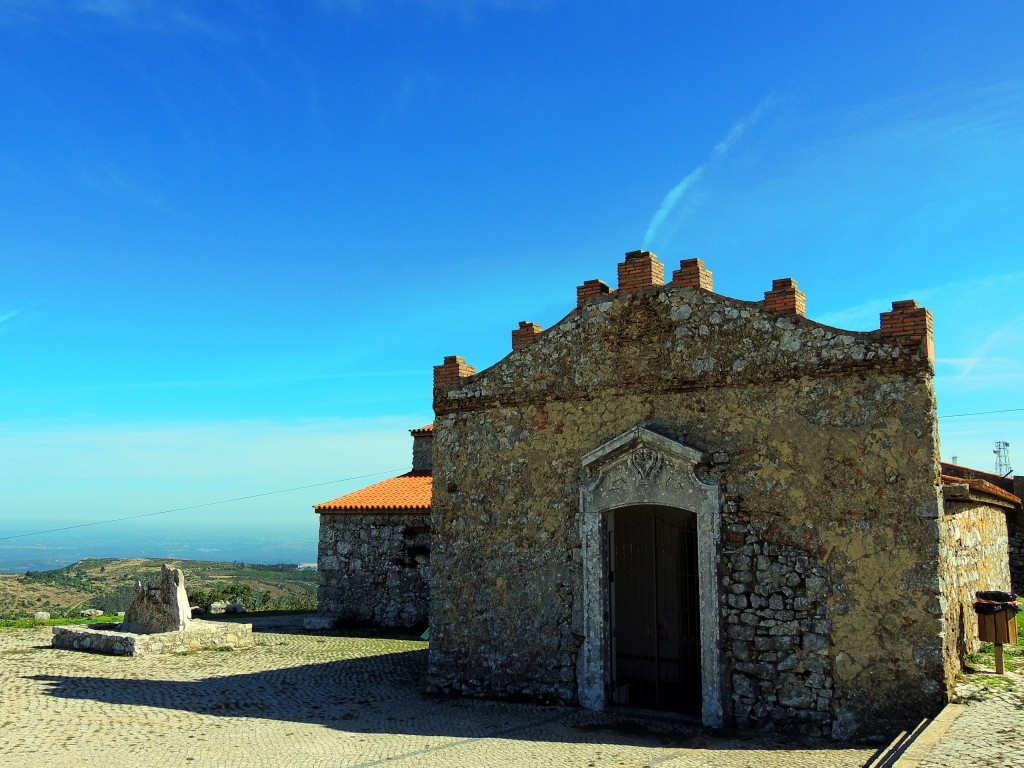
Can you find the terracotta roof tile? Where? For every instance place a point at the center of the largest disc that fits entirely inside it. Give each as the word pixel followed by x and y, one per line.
pixel 978 485
pixel 409 491
pixel 422 430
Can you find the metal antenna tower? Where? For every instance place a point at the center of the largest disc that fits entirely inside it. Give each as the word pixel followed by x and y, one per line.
pixel 1002 452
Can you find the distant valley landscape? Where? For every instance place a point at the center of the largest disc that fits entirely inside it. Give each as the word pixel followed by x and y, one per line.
pixel 107 584
pixel 57 550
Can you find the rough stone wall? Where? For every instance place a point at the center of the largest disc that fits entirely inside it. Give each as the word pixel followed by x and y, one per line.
pixel 1014 517
pixel 975 556
pixel 374 569
pixel 422 454
pixel 1015 532
pixel 1015 535
pixel 778 630
pixel 824 443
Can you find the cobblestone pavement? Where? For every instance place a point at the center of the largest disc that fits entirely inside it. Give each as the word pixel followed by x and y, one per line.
pixel 300 700
pixel 990 732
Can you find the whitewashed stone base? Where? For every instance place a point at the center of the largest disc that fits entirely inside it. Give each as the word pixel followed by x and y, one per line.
pixel 198 635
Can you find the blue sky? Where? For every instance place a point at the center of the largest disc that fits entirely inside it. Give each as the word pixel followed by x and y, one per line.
pixel 236 236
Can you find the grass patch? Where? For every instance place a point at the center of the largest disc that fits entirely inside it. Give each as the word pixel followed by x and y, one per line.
pixel 983 684
pixel 986 657
pixel 30 623
pixel 59 622
pixel 979 669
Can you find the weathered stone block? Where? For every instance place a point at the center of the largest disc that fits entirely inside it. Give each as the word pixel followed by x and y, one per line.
pixel 198 635
pixel 160 605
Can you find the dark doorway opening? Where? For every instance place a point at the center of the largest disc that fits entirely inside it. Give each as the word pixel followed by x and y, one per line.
pixel 655 623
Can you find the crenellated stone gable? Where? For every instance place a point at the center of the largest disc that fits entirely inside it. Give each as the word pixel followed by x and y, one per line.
pixel 820 445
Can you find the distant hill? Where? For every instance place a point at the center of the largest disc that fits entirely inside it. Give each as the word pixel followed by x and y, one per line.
pixel 108 584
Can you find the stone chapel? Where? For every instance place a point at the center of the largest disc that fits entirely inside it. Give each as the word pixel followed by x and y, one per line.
pixel 677 500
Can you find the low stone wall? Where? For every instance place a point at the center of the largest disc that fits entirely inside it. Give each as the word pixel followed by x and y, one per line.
pixel 974 557
pixel 374 569
pixel 197 636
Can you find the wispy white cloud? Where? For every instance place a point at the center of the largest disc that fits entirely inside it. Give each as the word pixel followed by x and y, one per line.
pixel 250 382
pixel 114 183
pixel 197 24
pixel 978 374
pixel 6 320
pixel 861 316
pixel 191 16
pixel 459 7
pixel 975 370
pixel 864 314
pixel 718 153
pixel 88 472
pixel 996 340
pixel 943 114
pixel 960 365
pixel 133 14
pixel 670 202
pixel 340 5
pixel 120 10
pixel 467 7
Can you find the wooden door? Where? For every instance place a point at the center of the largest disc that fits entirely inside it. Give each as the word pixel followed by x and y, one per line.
pixel 655 625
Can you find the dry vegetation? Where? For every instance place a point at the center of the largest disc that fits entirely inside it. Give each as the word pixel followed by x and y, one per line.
pixel 107 584
pixel 21 597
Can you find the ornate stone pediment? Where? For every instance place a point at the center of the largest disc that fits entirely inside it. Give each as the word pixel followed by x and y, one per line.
pixel 643 467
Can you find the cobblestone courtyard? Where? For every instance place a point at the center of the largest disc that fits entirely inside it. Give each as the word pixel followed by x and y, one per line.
pixel 300 700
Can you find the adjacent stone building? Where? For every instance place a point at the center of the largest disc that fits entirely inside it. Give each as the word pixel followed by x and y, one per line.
pixel 374 551
pixel 1005 489
pixel 980 546
pixel 680 500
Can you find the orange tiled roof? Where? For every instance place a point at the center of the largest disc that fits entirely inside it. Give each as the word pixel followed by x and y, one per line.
pixel 422 430
pixel 409 491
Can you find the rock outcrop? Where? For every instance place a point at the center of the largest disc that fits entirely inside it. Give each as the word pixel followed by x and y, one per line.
pixel 159 606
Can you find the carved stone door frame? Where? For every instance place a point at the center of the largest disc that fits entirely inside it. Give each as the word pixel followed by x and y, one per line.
pixel 642 467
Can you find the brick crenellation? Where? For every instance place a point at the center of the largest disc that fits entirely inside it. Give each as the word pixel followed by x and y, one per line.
pixel 693 274
pixel 589 289
pixel 452 371
pixel 785 298
pixel 525 334
pixel 909 324
pixel 640 270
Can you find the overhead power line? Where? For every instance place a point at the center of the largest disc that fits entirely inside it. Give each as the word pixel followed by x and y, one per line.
pixel 197 506
pixel 315 485
pixel 979 413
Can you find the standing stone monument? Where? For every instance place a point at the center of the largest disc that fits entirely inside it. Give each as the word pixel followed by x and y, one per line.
pixel 159 620
pixel 159 606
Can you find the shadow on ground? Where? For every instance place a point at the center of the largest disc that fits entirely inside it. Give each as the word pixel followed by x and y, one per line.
pixel 384 694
